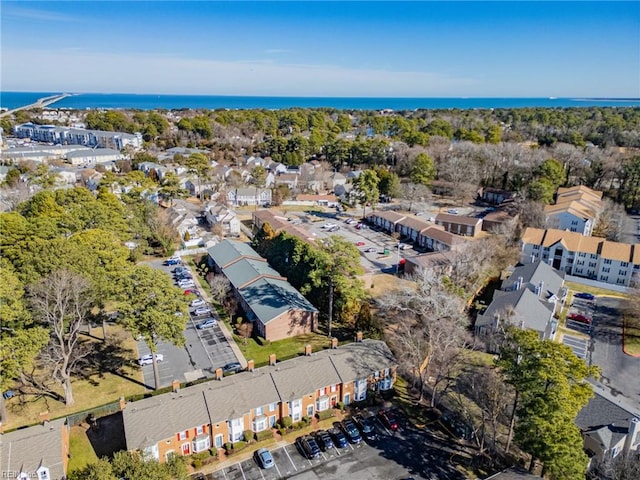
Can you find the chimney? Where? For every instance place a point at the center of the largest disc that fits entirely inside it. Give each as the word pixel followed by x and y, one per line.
pixel 272 359
pixel 250 365
pixel 123 403
pixel 533 258
pixel 175 386
pixel 539 289
pixel 219 374
pixel 307 349
pixel 519 283
pixel 358 336
pixel 334 342
pixel 633 434
pixel 45 417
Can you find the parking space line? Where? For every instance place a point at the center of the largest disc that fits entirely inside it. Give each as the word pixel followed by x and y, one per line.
pixel 289 457
pixel 223 473
pixel 277 469
pixel 260 470
pixel 242 471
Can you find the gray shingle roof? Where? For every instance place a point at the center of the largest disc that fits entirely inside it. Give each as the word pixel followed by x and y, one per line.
pixel 148 421
pixel 357 360
pixel 604 421
pixel 528 310
pixel 238 394
pixel 532 275
pixel 226 252
pixel 28 449
pixel 269 298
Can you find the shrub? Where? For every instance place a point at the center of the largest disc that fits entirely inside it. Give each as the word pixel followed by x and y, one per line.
pixel 228 447
pixel 248 435
pixel 340 406
pixel 239 446
pixel 304 420
pixel 282 431
pixel 325 414
pixel 263 435
pixel 286 422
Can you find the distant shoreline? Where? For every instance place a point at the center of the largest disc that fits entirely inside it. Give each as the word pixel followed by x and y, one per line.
pixel 129 101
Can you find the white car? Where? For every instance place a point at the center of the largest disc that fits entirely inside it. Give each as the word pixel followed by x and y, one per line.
pixel 198 302
pixel 186 283
pixel 327 226
pixel 202 311
pixel 148 359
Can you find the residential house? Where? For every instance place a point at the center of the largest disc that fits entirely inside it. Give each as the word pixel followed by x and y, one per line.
pixel 334 179
pixel 495 196
pixel 40 452
pixel 228 221
pixel 153 170
pixel 344 192
pixel 583 256
pixel 609 426
pixel 428 261
pixel 528 299
pixel 460 224
pixel 276 308
pixel 576 209
pixel 219 412
pixel 288 179
pixel 249 196
pixel 330 201
pixel 183 220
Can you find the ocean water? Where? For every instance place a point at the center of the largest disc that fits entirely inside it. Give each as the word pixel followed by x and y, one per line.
pixel 149 102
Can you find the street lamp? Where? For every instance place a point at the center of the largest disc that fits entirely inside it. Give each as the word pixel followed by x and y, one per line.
pixel 398 263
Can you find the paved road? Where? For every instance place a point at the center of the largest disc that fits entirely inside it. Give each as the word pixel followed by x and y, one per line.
pixel 620 372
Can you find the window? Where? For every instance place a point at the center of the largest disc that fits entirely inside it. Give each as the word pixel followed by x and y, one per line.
pixel 272 407
pixel 536 247
pixel 321 391
pixel 385 384
pixel 360 390
pixel 169 454
pixel 607 261
pixel 592 264
pixel 623 273
pixel 199 430
pixel 594 256
pixel 201 444
pixel 272 421
pixel 334 388
pixel 604 278
pixel 624 264
pixel 260 423
pixel 322 404
pixel 259 411
pixel 186 449
pixel 606 270
pixel 43 473
pixel 310 411
pixel 182 435
pixel 347 399
pixel 582 254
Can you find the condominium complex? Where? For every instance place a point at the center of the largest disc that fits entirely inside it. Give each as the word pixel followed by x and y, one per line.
pixel 583 256
pixel 77 136
pixel 576 209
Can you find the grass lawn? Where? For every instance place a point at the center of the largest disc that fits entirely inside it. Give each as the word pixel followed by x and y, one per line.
pixel 578 287
pixel 97 390
pixel 82 452
pixel 287 348
pixel 384 283
pixel 632 336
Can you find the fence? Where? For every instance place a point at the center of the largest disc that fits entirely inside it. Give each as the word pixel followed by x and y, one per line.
pixel 97 412
pixel 595 283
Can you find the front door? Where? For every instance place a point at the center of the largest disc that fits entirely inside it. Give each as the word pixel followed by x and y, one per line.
pixel 186 449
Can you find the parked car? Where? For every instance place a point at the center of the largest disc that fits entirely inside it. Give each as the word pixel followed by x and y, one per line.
pixel 308 447
pixel 231 368
pixel 186 283
pixel 180 270
pixel 208 323
pixel 148 359
pixel 198 302
pixel 577 317
pixel 584 295
pixel 202 311
pixel 404 246
pixel 338 437
pixel 453 211
pixel 173 261
pixel 371 250
pixel 328 225
pixel 351 431
pixel 264 458
pixel 366 426
pixel 333 229
pixel 388 419
pixel 192 291
pixel 323 439
pixel 360 244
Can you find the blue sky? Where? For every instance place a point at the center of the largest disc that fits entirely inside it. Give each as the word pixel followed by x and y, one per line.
pixel 394 49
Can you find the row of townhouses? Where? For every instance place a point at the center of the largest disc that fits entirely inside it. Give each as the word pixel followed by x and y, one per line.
pixel 276 309
pixel 583 256
pixel 197 418
pixel 77 136
pixel 425 234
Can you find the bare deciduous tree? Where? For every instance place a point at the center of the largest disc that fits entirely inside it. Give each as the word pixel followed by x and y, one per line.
pixel 62 301
pixel 611 221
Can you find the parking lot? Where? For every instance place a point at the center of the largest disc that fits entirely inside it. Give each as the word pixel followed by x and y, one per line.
pixel 204 351
pixel 580 346
pixel 408 452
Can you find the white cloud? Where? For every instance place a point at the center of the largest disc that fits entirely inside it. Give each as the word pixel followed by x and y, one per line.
pixel 63 70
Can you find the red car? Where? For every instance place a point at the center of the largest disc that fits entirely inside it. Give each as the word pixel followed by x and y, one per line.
pixel 191 292
pixel 360 244
pixel 388 419
pixel 576 317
